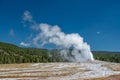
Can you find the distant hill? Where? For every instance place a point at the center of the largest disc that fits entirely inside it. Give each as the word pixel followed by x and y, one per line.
pixel 105 52
pixel 107 56
pixel 10 53
pixel 8 45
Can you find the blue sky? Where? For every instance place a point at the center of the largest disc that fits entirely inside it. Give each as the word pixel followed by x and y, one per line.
pixel 98 21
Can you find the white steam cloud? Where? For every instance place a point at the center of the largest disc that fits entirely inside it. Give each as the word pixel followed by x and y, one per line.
pixel 11 33
pixel 54 35
pixel 24 44
pixel 27 16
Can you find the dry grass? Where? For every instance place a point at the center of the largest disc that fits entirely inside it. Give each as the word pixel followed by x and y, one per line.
pixel 22 77
pixel 45 73
pixel 55 70
pixel 114 67
pixel 22 65
pixel 41 70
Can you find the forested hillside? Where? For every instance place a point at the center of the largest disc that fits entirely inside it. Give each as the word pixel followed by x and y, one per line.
pixel 107 56
pixel 10 53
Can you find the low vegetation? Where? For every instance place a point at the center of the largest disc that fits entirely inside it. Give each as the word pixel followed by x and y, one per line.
pixel 10 53
pixel 107 56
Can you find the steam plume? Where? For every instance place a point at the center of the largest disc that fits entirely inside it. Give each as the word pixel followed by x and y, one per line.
pixel 54 35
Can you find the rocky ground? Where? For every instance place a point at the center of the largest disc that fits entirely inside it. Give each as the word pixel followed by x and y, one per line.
pixel 96 70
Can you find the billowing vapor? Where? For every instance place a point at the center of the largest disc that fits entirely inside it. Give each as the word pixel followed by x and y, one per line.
pixel 53 35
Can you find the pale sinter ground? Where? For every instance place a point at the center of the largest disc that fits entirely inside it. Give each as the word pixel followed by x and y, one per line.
pixel 58 71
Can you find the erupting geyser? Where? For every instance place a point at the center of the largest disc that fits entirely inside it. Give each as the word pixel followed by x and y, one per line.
pixel 54 35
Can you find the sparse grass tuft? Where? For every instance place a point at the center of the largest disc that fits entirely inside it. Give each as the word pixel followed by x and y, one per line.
pixel 22 65
pixel 114 67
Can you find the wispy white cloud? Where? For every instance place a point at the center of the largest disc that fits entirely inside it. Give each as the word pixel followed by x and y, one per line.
pixel 24 44
pixel 27 16
pixel 12 33
pixel 98 32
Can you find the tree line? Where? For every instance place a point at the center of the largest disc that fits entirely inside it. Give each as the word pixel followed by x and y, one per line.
pixel 13 54
pixel 107 56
